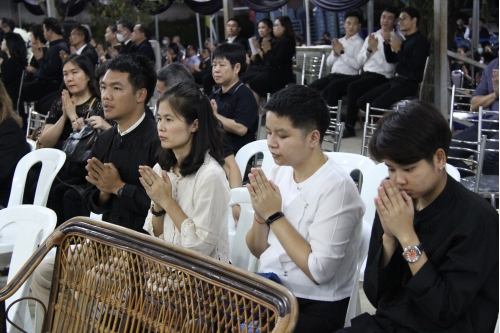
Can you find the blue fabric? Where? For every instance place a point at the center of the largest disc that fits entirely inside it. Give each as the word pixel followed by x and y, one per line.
pixel 271 276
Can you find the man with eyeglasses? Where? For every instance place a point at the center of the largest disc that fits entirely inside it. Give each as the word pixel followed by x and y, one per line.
pixel 410 56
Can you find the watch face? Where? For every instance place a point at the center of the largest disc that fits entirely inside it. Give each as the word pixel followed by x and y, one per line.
pixel 412 253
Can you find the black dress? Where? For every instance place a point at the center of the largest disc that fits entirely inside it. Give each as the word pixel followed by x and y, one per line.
pixel 277 70
pixel 12 73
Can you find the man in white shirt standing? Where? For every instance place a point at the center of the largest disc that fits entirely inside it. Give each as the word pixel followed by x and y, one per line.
pixel 343 60
pixel 376 69
pixel 308 216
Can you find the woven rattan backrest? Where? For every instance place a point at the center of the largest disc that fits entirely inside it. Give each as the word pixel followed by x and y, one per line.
pixel 110 279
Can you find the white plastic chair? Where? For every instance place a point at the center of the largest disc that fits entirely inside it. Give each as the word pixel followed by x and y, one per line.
pixel 52 161
pixel 36 223
pixel 354 307
pixel 247 151
pixel 240 254
pixel 350 162
pixel 372 180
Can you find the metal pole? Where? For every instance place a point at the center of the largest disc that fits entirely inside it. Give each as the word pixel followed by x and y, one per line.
pixel 228 13
pixel 475 32
pixel 284 10
pixel 370 16
pixel 157 30
pixel 308 25
pixel 19 12
pixel 51 10
pixel 440 55
pixel 199 31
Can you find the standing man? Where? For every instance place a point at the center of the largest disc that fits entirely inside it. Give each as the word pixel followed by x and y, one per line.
pixel 140 37
pixel 48 77
pixel 344 62
pixel 124 33
pixel 410 57
pixel 376 69
pixel 433 256
pixel 234 104
pixel 192 62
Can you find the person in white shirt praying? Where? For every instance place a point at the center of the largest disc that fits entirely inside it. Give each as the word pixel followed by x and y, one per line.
pixel 308 215
pixel 343 60
pixel 188 187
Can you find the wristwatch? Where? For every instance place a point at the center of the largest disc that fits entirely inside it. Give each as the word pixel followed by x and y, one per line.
pixel 119 192
pixel 274 217
pixel 155 213
pixel 413 252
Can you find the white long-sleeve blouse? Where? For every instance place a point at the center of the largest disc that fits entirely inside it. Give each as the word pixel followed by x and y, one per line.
pixel 204 198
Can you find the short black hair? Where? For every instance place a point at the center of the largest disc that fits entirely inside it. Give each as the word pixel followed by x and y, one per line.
pixel 234 53
pixel 412 12
pixel 174 73
pixel 412 133
pixel 353 13
pixel 113 27
pixel 304 106
pixel 193 47
pixel 235 20
pixel 37 31
pixel 186 100
pixel 53 25
pixel 144 28
pixel 126 24
pixel 392 10
pixel 84 31
pixel 141 73
pixel 9 22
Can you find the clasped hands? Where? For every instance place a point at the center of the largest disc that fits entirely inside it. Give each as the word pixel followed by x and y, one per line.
pixel 395 209
pixel 104 176
pixel 337 47
pixel 158 188
pixel 264 193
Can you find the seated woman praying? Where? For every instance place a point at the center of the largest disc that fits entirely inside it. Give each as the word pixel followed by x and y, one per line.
pixel 188 187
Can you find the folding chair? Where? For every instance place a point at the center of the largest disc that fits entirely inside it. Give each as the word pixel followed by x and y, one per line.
pixel 336 128
pixel 312 68
pixel 371 119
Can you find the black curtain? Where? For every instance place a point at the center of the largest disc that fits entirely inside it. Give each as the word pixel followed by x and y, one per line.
pixel 204 8
pixel 76 7
pixel 155 9
pixel 33 9
pixel 264 5
pixel 338 5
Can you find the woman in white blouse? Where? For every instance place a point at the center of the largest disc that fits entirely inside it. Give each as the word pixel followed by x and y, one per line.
pixel 188 187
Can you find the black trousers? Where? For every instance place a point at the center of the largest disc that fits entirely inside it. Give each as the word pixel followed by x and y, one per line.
pixel 320 316
pixel 389 93
pixel 358 88
pixel 333 87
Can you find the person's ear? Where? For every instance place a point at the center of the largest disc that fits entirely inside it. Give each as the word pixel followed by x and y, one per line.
pixel 141 95
pixel 237 67
pixel 194 126
pixel 314 138
pixel 440 159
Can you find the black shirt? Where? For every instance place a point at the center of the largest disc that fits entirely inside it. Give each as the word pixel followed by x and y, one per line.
pixel 127 48
pixel 11 75
pixel 51 63
pixel 91 54
pixel 411 58
pixel 239 104
pixel 456 290
pixel 126 153
pixel 145 49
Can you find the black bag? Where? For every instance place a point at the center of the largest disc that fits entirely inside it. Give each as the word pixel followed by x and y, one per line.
pixel 79 144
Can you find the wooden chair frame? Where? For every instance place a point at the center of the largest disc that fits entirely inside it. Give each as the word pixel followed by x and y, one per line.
pixel 154 286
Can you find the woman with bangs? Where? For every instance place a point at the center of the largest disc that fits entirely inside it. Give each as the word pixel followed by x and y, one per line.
pixel 188 187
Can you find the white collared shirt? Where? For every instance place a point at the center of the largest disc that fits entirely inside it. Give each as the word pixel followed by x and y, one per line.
pixel 376 63
pixel 79 51
pixel 133 127
pixel 327 212
pixel 346 63
pixel 231 39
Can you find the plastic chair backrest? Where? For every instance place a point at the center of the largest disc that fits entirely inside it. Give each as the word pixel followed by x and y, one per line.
pixel 247 151
pixel 372 180
pixel 240 254
pixel 52 161
pixel 354 307
pixel 350 162
pixel 36 223
pixel 156 48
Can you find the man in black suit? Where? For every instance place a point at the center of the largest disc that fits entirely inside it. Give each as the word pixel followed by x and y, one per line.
pixel 80 40
pixel 140 37
pixel 124 33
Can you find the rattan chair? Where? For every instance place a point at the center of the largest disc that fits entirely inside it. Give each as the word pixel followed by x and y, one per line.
pixel 111 279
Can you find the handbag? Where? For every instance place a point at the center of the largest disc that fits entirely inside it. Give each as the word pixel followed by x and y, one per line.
pixel 78 146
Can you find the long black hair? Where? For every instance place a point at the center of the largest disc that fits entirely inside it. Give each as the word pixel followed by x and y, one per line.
pixel 16 46
pixel 269 24
pixel 188 101
pixel 86 66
